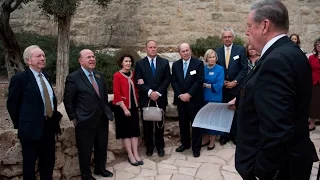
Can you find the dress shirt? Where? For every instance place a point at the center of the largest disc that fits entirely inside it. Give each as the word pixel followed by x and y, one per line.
pixel 50 91
pixel 155 66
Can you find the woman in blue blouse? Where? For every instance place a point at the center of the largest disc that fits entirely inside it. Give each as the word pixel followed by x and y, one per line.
pixel 212 87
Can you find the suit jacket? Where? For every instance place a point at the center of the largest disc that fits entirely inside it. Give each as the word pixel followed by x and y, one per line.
pixel 159 82
pixel 192 84
pixel 26 107
pixel 272 111
pixel 315 66
pixel 81 100
pixel 238 65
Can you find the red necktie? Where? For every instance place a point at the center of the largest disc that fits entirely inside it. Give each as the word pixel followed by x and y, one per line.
pixel 94 84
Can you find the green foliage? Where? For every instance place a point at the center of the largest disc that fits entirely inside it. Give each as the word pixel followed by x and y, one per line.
pixel 59 8
pixel 105 63
pixel 211 42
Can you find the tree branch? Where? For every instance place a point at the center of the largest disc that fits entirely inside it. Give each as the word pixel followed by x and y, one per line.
pixel 15 5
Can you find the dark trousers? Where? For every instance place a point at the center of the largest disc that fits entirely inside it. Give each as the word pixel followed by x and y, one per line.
pixel 88 138
pixel 44 149
pixel 186 117
pixel 227 96
pixel 153 133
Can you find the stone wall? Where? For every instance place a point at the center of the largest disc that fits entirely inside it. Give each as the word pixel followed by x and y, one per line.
pixel 132 22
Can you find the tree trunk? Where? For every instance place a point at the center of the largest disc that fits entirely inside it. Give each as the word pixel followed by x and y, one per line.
pixel 12 52
pixel 62 55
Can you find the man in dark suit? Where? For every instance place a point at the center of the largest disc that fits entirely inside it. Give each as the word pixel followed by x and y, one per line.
pixel 86 103
pixel 235 63
pixel 187 80
pixel 273 102
pixel 32 106
pixel 154 71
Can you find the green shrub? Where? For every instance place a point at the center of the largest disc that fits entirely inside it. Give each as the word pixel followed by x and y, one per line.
pixel 211 42
pixel 106 64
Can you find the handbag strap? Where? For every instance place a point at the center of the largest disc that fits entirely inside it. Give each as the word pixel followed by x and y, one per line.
pixel 162 121
pixel 149 103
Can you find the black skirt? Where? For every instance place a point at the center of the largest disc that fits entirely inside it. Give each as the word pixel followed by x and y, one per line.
pixel 126 126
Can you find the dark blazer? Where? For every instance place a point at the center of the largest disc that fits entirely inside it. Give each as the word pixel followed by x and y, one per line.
pixel 238 68
pixel 26 107
pixel 192 84
pixel 81 100
pixel 272 111
pixel 158 83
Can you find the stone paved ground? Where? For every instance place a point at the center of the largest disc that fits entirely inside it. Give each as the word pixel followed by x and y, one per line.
pixel 217 164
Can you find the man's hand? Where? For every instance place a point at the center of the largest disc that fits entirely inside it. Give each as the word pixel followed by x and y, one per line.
pixel 140 81
pixel 127 112
pixel 185 97
pixel 74 122
pixel 231 84
pixel 232 104
pixel 205 85
pixel 226 83
pixel 154 95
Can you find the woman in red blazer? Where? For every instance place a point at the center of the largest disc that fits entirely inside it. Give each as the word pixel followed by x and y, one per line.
pixel 315 101
pixel 126 111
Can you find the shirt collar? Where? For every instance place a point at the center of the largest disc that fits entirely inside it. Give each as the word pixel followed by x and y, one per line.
pixel 188 61
pixel 230 47
pixel 35 73
pixel 269 43
pixel 154 59
pixel 86 71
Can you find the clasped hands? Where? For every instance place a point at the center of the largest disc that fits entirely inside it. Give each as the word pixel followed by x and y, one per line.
pixel 230 84
pixel 153 95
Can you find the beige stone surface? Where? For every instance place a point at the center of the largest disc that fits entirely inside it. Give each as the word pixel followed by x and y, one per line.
pixel 169 22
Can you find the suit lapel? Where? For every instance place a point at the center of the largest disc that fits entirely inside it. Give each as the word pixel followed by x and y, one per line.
pixel 272 47
pixel 86 81
pixel 180 69
pixel 34 83
pixel 147 65
pixel 188 70
pixel 100 84
pixel 223 57
pixel 158 65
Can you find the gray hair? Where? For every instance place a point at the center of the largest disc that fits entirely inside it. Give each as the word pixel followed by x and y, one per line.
pixel 273 10
pixel 27 52
pixel 228 29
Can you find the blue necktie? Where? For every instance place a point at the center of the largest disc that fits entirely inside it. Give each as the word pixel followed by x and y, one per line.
pixel 185 68
pixel 153 69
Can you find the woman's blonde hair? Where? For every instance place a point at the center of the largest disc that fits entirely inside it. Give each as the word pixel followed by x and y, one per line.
pixel 207 54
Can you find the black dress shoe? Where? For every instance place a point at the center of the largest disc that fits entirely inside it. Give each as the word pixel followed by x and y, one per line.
pixel 133 164
pixel 223 141
pixel 161 152
pixel 210 148
pixel 104 173
pixel 88 178
pixel 181 148
pixel 196 154
pixel 140 162
pixel 149 152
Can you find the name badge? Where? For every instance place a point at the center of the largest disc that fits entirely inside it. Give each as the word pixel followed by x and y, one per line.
pixel 193 72
pixel 211 73
pixel 235 57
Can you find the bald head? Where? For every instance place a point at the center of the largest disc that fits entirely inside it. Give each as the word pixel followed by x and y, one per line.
pixel 87 59
pixel 185 51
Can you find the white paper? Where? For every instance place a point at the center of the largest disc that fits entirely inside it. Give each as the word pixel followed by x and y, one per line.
pixel 214 116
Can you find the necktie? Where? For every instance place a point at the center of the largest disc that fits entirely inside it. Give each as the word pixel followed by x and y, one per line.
pixel 94 84
pixel 47 101
pixel 185 68
pixel 153 69
pixel 227 57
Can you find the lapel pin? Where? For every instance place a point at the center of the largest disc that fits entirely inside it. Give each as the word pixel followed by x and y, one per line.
pixel 97 75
